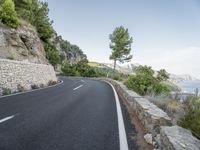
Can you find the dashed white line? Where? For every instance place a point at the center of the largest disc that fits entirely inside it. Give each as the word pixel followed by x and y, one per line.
pixel 122 133
pixel 82 81
pixel 7 118
pixel 77 87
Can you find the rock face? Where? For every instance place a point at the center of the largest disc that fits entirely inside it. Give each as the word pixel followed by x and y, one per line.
pixel 73 54
pixel 177 138
pixel 21 44
pixel 24 74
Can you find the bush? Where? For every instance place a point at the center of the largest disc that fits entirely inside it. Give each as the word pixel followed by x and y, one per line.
pixel 6 91
pixel 8 14
pixel 52 83
pixel 118 77
pixel 191 120
pixel 35 86
pixel 145 83
pixel 20 88
pixel 80 69
pixel 52 54
pixel 42 85
pixel 69 70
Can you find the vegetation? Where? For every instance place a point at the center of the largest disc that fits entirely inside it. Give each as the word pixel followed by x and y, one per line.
pixel 80 69
pixel 50 83
pixel 69 70
pixel 20 88
pixel 52 54
pixel 70 49
pixel 191 120
pixel 120 45
pixel 8 14
pixel 6 91
pixel 36 12
pixel 35 86
pixel 145 83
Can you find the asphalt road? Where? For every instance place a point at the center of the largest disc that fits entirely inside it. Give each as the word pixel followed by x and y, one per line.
pixel 79 114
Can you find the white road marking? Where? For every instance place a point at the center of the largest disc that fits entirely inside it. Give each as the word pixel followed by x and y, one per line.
pixel 122 133
pixel 7 118
pixel 82 81
pixel 77 87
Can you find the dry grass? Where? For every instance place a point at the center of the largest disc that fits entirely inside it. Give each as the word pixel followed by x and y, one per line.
pixel 173 108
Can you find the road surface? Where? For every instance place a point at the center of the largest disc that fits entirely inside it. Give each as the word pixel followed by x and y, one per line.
pixel 79 114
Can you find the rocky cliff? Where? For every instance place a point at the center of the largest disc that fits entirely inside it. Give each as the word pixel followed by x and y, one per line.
pixel 73 54
pixel 25 44
pixel 21 44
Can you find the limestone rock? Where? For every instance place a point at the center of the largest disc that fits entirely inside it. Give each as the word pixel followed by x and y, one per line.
pixel 21 44
pixel 148 138
pixel 177 138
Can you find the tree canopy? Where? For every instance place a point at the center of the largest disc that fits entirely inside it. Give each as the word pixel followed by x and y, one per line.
pixel 120 45
pixel 8 14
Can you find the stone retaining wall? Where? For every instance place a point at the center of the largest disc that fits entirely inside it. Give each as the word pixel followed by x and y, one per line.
pixel 157 122
pixel 15 73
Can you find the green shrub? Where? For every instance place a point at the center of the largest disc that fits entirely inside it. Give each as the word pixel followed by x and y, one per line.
pixel 145 83
pixel 6 91
pixel 8 14
pixel 52 54
pixel 80 69
pixel 69 70
pixel 191 120
pixel 118 77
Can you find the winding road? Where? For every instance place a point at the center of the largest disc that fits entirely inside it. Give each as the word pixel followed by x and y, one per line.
pixel 79 114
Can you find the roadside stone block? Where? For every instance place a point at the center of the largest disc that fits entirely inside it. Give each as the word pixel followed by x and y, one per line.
pixel 177 138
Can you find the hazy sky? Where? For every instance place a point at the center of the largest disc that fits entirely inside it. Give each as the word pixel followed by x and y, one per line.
pixel 166 33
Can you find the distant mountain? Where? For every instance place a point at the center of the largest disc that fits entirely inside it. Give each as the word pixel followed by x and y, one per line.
pixel 182 78
pixel 124 68
pixel 130 69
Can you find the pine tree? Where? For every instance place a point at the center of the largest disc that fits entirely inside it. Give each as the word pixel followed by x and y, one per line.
pixel 8 14
pixel 120 45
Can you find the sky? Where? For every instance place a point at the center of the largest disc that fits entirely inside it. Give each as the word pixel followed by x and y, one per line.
pixel 166 33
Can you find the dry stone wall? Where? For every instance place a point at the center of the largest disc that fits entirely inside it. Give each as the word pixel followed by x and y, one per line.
pixel 156 122
pixel 19 73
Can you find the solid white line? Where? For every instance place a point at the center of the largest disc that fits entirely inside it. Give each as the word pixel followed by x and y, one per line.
pixel 7 118
pixel 122 133
pixel 77 87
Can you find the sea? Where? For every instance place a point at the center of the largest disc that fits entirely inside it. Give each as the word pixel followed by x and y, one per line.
pixel 190 87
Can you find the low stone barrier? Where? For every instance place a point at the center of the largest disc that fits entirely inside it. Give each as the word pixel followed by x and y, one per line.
pixel 177 138
pixel 156 122
pixel 24 74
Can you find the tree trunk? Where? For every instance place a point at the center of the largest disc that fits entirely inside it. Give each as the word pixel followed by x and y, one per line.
pixel 114 64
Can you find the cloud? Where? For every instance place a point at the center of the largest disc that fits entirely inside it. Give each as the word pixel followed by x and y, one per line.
pixel 182 61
